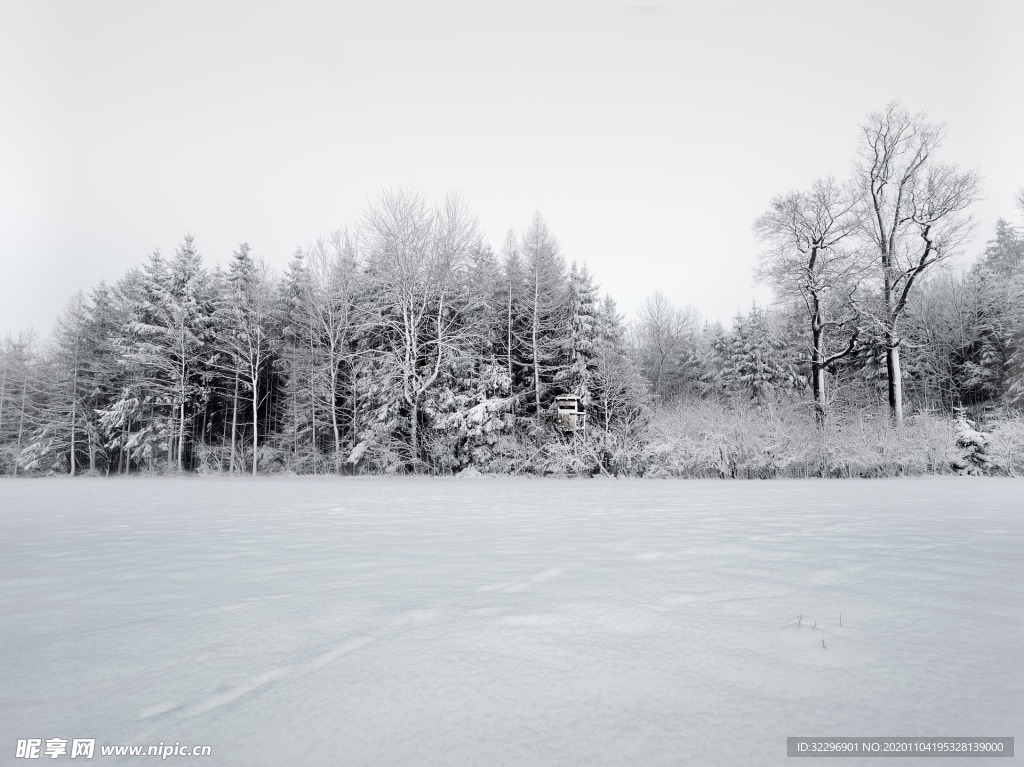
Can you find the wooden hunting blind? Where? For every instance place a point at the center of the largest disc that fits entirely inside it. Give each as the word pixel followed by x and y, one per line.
pixel 570 413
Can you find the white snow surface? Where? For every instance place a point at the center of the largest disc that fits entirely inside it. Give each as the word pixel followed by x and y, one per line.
pixel 408 621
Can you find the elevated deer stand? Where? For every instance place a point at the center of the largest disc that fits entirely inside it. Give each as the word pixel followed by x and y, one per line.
pixel 570 414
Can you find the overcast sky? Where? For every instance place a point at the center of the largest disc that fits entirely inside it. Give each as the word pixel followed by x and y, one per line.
pixel 648 136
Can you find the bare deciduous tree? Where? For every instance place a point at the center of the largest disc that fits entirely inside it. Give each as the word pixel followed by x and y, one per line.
pixel 332 271
pixel 809 260
pixel 912 209
pixel 416 253
pixel 662 333
pixel 250 333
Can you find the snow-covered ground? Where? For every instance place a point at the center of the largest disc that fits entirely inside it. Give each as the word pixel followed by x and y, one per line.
pixel 308 621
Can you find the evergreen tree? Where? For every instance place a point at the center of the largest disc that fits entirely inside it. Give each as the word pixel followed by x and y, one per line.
pixel 20 394
pixel 171 332
pixel 247 335
pixel 713 360
pixel 973 445
pixel 302 361
pixel 755 364
pixel 545 282
pixel 513 346
pixel 581 337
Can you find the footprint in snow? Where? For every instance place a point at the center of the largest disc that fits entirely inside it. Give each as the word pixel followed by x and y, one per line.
pixel 160 708
pixel 543 575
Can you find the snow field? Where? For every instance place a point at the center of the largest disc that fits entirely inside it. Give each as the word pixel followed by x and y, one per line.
pixel 509 621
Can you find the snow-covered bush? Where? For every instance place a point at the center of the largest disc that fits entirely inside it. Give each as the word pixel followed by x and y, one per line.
pixel 210 459
pixel 568 457
pixel 973 447
pixel 1005 448
pixel 867 445
pixel 385 455
pixel 736 440
pixel 514 454
pixel 731 440
pixel 8 458
pixel 470 436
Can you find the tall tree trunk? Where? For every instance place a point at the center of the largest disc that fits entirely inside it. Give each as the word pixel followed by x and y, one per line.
pixel 818 376
pixel 895 375
pixel 312 402
pixel 90 436
pixel 202 429
pixel 21 422
pixel 223 441
pixel 3 392
pixel 121 449
pixel 536 352
pixel 74 416
pixel 508 348
pixel 414 434
pixel 127 449
pixel 234 426
pixel 255 420
pixel 334 410
pixel 295 408
pixel 268 414
pixel 181 420
pixel 817 364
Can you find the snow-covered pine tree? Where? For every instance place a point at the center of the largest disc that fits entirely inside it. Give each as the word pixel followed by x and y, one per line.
pixel 1014 368
pixel 302 362
pixel 512 341
pixel 105 371
pixel 979 365
pixel 171 333
pixel 1004 253
pixel 484 311
pixel 545 283
pixel 80 378
pixel 19 397
pixel 756 363
pixel 1002 351
pixel 973 445
pixel 713 359
pixel 581 337
pixel 247 334
pixel 59 424
pixel 471 411
pixel 960 330
pixel 128 419
pixel 470 407
pixel 6 378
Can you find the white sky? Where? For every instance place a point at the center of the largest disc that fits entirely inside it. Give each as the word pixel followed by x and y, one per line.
pixel 649 137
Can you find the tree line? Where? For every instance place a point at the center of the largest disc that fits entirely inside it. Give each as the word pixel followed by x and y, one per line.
pixel 409 347
pixel 407 344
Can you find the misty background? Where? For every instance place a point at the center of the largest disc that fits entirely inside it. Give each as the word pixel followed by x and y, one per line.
pixel 649 137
